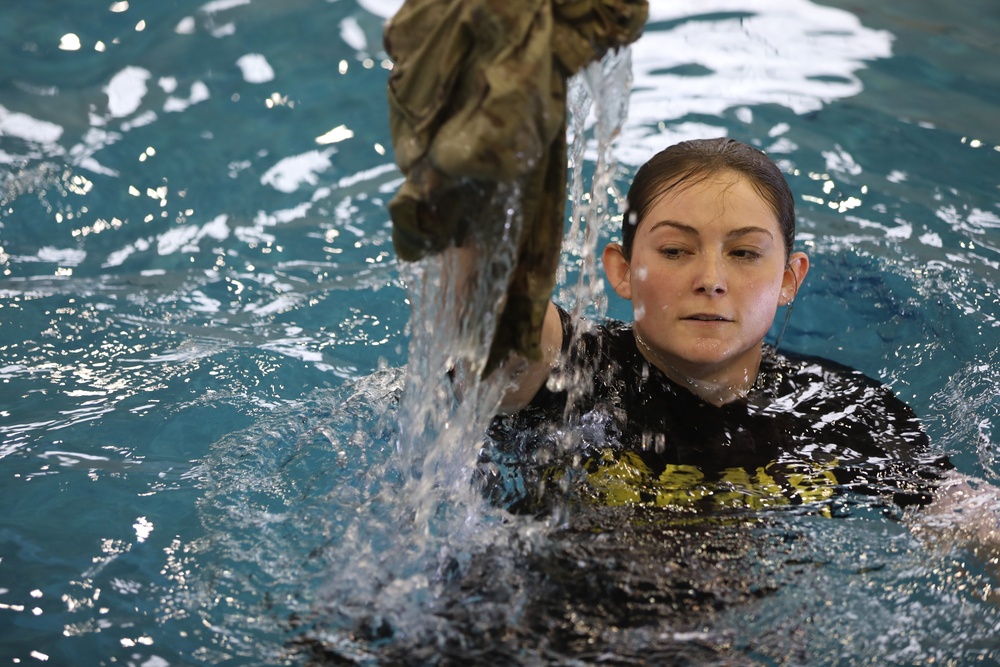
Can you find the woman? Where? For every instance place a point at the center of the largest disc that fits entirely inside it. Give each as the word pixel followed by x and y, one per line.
pixel 687 406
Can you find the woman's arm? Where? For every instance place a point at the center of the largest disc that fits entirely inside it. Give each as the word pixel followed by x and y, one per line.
pixel 527 377
pixel 965 512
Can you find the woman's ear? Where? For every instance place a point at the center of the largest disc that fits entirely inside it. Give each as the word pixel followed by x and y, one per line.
pixel 795 275
pixel 617 269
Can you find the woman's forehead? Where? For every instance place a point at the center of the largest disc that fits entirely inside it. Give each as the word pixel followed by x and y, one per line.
pixel 727 197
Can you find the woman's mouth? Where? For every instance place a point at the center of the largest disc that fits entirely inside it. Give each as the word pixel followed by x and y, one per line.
pixel 707 317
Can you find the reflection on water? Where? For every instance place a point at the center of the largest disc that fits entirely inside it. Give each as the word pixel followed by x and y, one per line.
pixel 731 56
pixel 198 292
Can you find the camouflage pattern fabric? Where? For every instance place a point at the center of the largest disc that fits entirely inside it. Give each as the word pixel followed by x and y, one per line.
pixel 477 98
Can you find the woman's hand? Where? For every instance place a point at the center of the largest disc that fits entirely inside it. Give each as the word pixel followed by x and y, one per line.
pixel 965 513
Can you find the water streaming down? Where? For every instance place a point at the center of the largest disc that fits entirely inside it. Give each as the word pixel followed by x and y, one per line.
pixel 600 95
pixel 433 545
pixel 455 298
pixel 417 513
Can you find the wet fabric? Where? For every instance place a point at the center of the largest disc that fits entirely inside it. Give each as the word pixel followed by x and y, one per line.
pixel 477 98
pixel 808 430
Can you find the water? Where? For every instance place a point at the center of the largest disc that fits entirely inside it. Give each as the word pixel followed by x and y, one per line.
pixel 202 328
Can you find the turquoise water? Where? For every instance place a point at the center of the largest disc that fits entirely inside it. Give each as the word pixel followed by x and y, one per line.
pixel 202 326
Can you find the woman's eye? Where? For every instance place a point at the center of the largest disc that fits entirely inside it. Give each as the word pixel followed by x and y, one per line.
pixel 671 253
pixel 746 253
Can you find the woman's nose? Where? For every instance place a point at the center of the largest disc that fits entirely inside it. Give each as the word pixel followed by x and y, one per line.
pixel 711 278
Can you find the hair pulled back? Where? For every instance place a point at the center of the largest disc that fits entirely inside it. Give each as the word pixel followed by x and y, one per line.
pixel 691 162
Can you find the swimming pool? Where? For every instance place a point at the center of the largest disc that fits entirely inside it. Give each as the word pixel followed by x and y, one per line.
pixel 202 325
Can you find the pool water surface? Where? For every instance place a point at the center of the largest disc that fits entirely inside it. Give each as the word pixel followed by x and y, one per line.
pixel 203 331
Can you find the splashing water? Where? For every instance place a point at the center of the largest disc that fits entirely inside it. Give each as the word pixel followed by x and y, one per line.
pixel 602 90
pixel 456 299
pixel 427 524
pixel 446 405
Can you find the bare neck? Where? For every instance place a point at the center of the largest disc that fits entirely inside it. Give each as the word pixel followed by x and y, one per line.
pixel 715 385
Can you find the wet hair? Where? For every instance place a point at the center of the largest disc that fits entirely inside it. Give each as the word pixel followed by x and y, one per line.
pixel 691 162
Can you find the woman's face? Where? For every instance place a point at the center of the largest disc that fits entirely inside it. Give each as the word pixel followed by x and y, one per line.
pixel 707 274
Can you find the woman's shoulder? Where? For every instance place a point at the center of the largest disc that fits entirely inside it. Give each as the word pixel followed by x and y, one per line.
pixel 595 343
pixel 594 355
pixel 793 371
pixel 836 397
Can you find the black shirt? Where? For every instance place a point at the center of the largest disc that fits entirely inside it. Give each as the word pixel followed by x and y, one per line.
pixel 809 429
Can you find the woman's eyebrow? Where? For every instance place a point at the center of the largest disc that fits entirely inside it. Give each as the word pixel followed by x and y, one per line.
pixel 689 229
pixel 679 226
pixel 750 229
